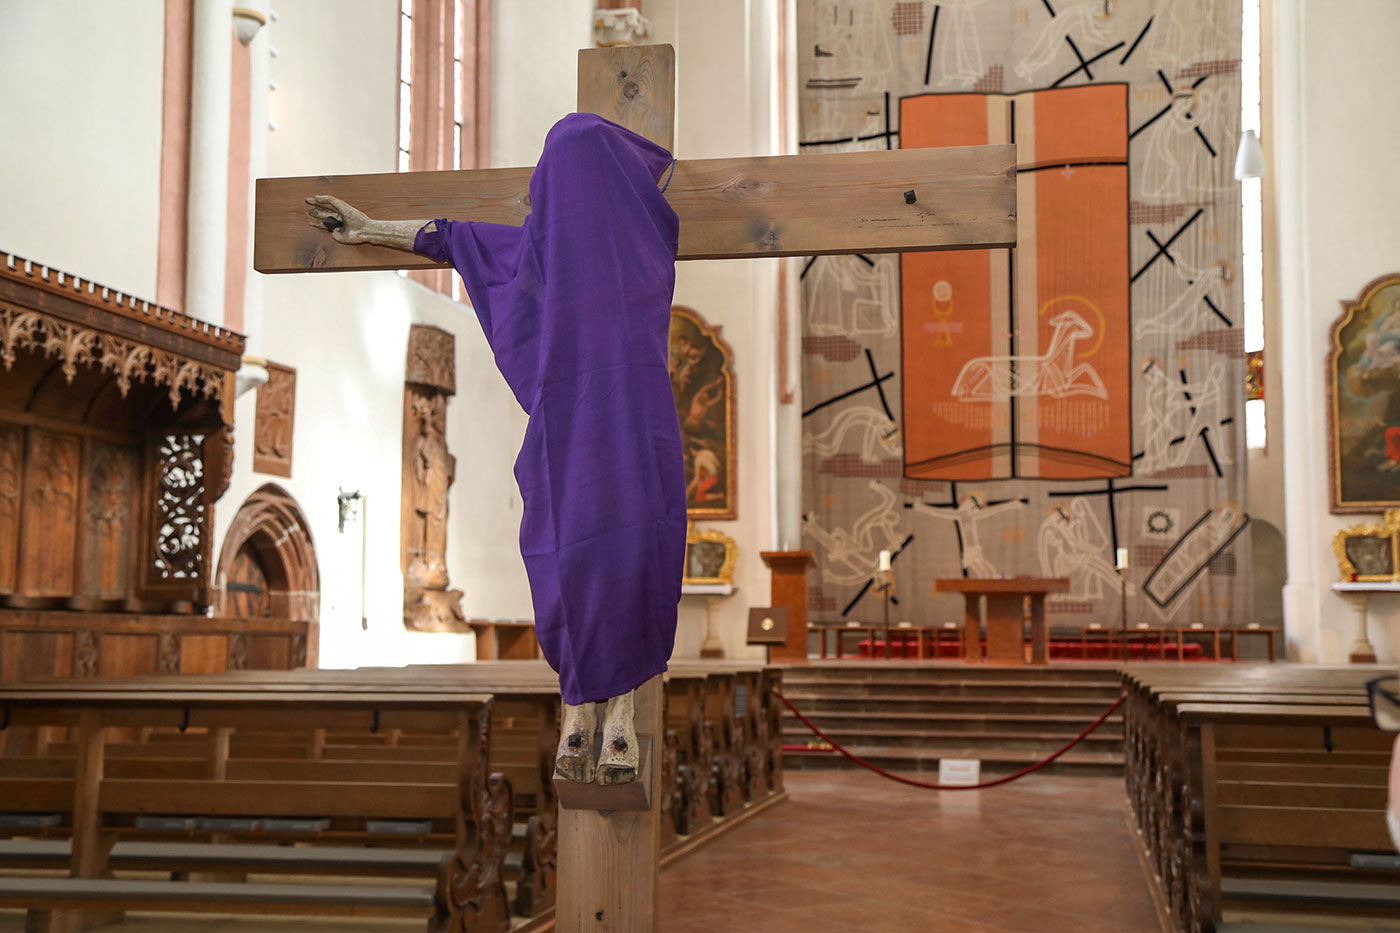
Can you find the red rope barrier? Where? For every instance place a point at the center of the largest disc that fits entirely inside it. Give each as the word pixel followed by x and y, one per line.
pixel 1007 779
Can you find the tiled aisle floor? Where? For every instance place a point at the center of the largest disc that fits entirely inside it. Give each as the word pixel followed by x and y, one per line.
pixel 853 853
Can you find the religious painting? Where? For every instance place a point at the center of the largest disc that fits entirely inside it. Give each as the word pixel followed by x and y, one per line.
pixel 1370 553
pixel 1016 361
pixel 702 378
pixel 1363 405
pixel 709 556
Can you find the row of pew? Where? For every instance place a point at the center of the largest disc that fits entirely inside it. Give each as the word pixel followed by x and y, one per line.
pixel 1259 795
pixel 372 792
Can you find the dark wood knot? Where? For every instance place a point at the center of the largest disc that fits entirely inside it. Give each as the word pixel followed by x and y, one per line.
pixel 630 90
pixel 910 197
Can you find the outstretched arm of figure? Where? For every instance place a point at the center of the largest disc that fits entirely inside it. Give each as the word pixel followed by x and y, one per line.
pixel 350 225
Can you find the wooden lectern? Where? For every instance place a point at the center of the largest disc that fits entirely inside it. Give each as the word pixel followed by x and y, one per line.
pixel 1006 615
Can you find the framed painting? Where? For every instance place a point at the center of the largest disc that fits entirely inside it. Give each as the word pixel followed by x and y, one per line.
pixel 702 378
pixel 1363 403
pixel 1370 553
pixel 709 556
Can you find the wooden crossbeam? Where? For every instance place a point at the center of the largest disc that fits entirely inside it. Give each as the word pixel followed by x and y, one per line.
pixel 853 202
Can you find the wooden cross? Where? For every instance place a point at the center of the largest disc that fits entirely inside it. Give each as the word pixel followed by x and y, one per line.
pixel 862 202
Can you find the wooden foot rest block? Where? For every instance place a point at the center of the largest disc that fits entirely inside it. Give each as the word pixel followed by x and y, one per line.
pixel 634 795
pixel 119 894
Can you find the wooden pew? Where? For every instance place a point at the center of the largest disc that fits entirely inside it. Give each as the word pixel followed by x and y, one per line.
pixel 470 894
pixel 1246 784
pixel 524 736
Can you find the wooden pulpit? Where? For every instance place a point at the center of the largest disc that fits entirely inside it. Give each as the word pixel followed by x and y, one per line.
pixel 1010 601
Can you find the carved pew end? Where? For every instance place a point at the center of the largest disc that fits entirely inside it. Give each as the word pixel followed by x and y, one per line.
pixel 634 795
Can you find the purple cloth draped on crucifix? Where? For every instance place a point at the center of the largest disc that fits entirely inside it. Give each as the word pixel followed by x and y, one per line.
pixel 576 305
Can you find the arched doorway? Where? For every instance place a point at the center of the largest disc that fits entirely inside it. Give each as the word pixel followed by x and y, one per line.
pixel 267 565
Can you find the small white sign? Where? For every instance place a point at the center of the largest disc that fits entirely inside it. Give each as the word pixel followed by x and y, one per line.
pixel 959 772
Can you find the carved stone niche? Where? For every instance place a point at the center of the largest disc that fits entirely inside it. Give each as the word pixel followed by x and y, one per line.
pixel 429 604
pixel 276 412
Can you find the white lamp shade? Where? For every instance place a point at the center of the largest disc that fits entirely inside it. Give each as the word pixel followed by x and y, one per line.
pixel 250 376
pixel 246 23
pixel 1249 161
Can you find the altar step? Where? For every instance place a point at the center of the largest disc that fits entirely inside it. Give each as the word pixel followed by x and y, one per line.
pixel 906 717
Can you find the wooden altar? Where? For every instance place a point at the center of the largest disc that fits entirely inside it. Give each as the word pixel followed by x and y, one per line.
pixel 1011 602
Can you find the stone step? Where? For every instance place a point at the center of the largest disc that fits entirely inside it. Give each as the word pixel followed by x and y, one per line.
pixel 916 687
pixel 924 761
pixel 924 738
pixel 958 722
pixel 1085 708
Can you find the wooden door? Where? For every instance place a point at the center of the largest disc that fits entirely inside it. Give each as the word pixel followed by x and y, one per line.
pixel 247 585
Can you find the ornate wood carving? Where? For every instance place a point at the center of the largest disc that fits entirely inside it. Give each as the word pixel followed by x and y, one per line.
pixel 108 531
pixel 272 431
pixel 80 346
pixel 428 472
pixel 169 653
pixel 179 524
pixel 50 522
pixel 432 358
pixel 471 892
pixel 298 655
pixel 108 473
pixel 238 651
pixel 11 454
pixel 270 523
pixel 87 653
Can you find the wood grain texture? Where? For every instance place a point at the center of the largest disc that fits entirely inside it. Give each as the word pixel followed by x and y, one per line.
pixel 761 206
pixel 609 864
pixel 633 86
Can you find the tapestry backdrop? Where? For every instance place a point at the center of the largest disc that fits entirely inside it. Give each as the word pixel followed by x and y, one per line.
pixel 1029 411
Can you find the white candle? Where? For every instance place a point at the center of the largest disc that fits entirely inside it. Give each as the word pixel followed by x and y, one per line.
pixel 1121 559
pixel 885 560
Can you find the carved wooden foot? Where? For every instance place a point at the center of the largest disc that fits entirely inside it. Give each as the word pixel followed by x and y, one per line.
pixel 618 761
pixel 574 761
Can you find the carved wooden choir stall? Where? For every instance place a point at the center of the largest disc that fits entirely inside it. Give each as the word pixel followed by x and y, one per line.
pixel 116 440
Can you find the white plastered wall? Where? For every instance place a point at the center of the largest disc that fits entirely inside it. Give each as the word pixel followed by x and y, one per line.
pixel 1337 185
pixel 80 137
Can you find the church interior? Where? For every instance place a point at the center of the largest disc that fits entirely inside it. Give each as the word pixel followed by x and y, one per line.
pixel 344 580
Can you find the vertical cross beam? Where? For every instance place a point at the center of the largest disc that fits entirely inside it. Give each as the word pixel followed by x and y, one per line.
pixel 609 862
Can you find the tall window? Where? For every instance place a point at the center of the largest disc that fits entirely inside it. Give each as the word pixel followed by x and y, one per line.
pixel 444 94
pixel 1252 221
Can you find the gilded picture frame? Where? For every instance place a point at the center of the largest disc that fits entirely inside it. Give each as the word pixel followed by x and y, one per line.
pixel 1363 401
pixel 1370 553
pixel 702 379
pixel 709 556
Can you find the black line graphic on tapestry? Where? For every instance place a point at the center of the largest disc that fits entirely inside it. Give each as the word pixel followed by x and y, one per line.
pixel 1209 147
pixel 1111 492
pixel 1162 248
pixel 932 32
pixel 875 375
pixel 1218 313
pixel 1083 64
pixel 1049 7
pixel 894 556
pixel 808 265
pixel 1151 120
pixel 1064 165
pixel 1133 48
pixel 847 394
pixel 1183 580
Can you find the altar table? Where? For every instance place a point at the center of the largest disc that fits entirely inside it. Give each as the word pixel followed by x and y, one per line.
pixel 1006 616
